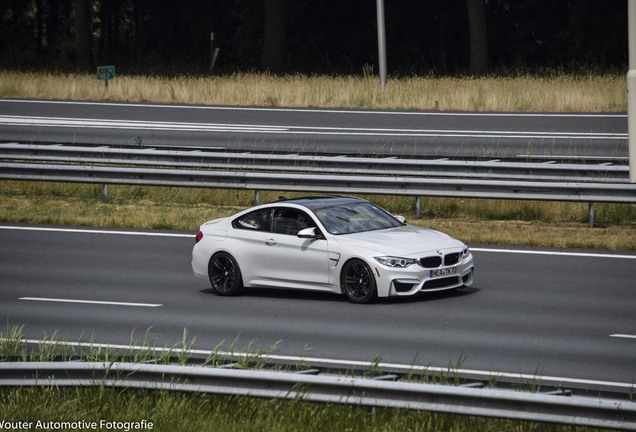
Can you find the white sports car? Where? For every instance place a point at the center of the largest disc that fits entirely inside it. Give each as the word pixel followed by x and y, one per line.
pixel 333 244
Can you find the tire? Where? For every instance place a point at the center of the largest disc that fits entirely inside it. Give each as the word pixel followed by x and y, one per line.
pixel 357 282
pixel 225 275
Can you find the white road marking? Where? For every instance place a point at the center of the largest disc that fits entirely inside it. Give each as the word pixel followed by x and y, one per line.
pixel 305 130
pixel 178 235
pixel 554 253
pixel 336 111
pixel 109 303
pixel 96 231
pixel 133 124
pixel 316 361
pixel 626 336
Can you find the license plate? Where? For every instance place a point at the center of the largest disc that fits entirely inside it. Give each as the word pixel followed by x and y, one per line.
pixel 443 272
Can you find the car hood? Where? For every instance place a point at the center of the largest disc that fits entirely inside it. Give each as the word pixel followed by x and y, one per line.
pixel 401 241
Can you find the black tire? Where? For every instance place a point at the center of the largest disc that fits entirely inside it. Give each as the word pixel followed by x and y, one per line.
pixel 225 275
pixel 357 282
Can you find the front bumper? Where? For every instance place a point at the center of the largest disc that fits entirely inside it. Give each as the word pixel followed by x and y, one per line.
pixel 416 279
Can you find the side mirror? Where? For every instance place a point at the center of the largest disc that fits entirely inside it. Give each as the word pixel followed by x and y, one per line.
pixel 307 233
pixel 400 218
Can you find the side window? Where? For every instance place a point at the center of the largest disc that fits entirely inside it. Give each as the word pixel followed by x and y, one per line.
pixel 258 220
pixel 290 221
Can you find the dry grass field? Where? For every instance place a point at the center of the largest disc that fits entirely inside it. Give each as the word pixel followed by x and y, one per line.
pixel 558 93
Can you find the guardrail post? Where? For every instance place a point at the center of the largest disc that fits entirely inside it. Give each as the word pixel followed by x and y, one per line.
pixel 257 197
pixel 418 207
pixel 105 196
pixel 590 214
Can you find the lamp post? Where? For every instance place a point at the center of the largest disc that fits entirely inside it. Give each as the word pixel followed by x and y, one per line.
pixel 381 43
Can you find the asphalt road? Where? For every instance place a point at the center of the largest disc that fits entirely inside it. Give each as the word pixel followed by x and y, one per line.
pixel 544 313
pixel 317 131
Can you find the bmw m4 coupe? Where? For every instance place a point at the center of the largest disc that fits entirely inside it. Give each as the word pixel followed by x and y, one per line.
pixel 333 244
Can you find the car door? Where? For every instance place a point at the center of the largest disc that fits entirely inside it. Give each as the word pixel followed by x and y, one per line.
pixel 293 261
pixel 248 243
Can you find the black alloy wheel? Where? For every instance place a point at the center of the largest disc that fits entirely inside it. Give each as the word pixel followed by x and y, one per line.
pixel 225 275
pixel 357 282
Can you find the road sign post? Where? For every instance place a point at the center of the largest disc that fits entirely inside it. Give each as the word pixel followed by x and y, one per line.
pixel 105 73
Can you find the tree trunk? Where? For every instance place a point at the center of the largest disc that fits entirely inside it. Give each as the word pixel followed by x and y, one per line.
pixel 82 33
pixel 39 31
pixel 53 26
pixel 275 46
pixel 478 37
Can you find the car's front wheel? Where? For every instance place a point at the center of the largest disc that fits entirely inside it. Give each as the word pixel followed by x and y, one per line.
pixel 225 274
pixel 357 282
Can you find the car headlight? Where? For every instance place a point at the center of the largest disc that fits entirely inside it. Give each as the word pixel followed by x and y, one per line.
pixel 397 262
pixel 465 252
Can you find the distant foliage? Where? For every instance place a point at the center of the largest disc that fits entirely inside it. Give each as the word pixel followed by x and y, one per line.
pixel 322 37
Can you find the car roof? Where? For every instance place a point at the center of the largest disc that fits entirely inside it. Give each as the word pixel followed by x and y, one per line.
pixel 318 201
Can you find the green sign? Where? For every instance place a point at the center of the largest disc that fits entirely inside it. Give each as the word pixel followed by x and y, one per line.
pixel 105 72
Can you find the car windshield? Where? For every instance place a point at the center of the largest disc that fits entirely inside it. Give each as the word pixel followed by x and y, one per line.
pixel 355 217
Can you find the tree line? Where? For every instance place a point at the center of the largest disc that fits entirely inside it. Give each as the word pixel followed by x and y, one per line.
pixel 439 37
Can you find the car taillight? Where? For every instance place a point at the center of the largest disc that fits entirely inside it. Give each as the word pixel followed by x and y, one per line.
pixel 198 237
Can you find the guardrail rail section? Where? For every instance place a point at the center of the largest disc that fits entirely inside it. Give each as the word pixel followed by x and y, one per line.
pixel 338 389
pixel 488 179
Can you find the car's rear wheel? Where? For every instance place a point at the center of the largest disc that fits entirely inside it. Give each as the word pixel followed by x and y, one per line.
pixel 357 282
pixel 225 274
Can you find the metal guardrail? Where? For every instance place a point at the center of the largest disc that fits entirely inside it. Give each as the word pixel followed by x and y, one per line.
pixel 485 402
pixel 549 170
pixel 381 185
pixel 353 175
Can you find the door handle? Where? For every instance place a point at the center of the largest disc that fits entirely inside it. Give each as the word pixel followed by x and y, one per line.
pixel 270 242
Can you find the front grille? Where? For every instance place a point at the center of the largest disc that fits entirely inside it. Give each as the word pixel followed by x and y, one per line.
pixel 451 259
pixel 431 261
pixel 441 283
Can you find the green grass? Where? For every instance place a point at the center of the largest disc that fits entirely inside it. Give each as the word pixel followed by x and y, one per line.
pixel 171 411
pixel 530 223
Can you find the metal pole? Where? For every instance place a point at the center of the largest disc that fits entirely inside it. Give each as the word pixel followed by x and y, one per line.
pixel 631 88
pixel 382 43
pixel 211 50
pixel 214 52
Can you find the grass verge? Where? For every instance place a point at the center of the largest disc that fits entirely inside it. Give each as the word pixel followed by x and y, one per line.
pixel 170 411
pixel 521 223
pixel 557 92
